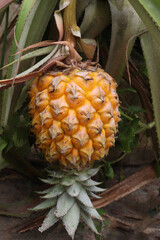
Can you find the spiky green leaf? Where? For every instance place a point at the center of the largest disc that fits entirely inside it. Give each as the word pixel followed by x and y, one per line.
pixel 74 190
pixel 84 198
pixel 82 177
pixel 88 220
pixel 27 32
pixel 67 181
pixel 151 52
pixel 71 220
pixel 54 192
pixel 50 181
pixel 90 183
pixel 93 171
pixel 96 18
pixel 149 11
pixel 95 189
pixel 64 204
pixel 38 64
pixel 35 53
pixel 45 204
pixel 125 24
pixel 94 195
pixel 91 211
pixel 49 220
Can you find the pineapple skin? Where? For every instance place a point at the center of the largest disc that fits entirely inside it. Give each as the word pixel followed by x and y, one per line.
pixel 74 116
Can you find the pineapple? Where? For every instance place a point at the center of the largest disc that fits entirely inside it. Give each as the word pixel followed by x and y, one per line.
pixel 75 118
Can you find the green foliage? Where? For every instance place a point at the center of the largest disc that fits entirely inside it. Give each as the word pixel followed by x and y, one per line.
pixel 3 143
pixel 134 109
pixel 18 133
pixel 108 170
pixel 127 136
pixel 69 201
pixel 100 225
pixel 149 11
pixel 125 25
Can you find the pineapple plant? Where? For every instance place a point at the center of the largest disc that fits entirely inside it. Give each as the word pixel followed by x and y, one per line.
pixel 74 118
pixel 75 111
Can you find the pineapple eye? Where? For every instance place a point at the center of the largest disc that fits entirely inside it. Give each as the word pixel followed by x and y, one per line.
pixel 85 113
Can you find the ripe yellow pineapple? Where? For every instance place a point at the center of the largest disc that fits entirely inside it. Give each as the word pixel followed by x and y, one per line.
pixel 75 115
pixel 75 118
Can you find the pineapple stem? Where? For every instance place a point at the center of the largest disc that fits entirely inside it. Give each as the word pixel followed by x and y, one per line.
pixel 144 126
pixel 69 18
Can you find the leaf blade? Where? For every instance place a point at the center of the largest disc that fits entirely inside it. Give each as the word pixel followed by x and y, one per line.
pixel 49 221
pixel 71 220
pixel 64 204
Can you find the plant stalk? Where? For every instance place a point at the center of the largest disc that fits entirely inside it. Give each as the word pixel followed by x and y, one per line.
pixel 70 25
pixel 4 41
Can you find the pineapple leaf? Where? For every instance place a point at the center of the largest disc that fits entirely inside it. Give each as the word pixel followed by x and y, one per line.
pixel 64 204
pixel 122 12
pixel 67 181
pixel 96 18
pixel 49 221
pixel 58 174
pixel 35 53
pixel 90 183
pixel 45 204
pixel 81 7
pixel 44 191
pixel 71 220
pixel 38 64
pixel 84 198
pixel 94 195
pixel 74 190
pixel 50 180
pixel 149 11
pixel 91 211
pixel 88 220
pixel 55 191
pixel 27 32
pixel 151 52
pixel 82 177
pixel 95 189
pixel 93 171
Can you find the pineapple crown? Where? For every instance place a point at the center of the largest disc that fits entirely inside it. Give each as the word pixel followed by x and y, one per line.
pixel 68 199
